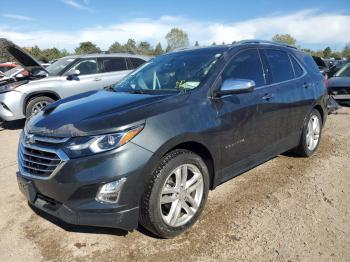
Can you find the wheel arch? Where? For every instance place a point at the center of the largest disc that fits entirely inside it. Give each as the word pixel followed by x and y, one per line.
pixel 321 111
pixel 201 150
pixel 53 95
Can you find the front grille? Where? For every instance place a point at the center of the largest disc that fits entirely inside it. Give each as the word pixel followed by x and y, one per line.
pixel 37 160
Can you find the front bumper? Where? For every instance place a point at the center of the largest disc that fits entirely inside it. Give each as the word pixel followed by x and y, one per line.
pixel 126 219
pixel 11 105
pixel 70 194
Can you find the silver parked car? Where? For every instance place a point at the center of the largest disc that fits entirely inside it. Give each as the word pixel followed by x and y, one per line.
pixel 24 95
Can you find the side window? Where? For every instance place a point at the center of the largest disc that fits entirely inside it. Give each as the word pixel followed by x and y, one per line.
pixel 280 66
pixel 309 62
pixel 136 62
pixel 113 64
pixel 246 65
pixel 87 66
pixel 298 71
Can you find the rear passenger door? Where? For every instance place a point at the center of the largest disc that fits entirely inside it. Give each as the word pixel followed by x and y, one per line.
pixel 113 69
pixel 281 103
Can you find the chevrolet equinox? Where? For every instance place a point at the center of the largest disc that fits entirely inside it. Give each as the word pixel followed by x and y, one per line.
pixel 149 150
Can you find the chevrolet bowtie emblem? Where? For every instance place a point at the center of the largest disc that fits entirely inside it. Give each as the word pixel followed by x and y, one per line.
pixel 29 139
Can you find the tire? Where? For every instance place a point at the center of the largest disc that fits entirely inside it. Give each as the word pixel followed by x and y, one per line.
pixel 37 103
pixel 305 148
pixel 156 217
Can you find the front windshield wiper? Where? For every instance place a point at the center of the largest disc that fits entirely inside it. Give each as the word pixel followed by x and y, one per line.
pixel 146 91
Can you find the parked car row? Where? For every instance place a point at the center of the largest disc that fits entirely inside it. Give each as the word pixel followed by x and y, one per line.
pixel 149 149
pixel 25 92
pixel 339 85
pixel 337 79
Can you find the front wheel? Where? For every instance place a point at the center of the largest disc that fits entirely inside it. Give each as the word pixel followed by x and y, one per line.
pixel 311 134
pixel 37 104
pixel 176 194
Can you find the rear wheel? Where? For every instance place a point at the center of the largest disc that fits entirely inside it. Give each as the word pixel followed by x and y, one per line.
pixel 176 194
pixel 37 104
pixel 311 134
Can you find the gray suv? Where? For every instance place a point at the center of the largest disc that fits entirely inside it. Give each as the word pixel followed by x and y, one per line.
pixel 26 94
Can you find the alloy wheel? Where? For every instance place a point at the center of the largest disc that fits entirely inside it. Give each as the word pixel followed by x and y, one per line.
pixel 37 107
pixel 181 195
pixel 313 132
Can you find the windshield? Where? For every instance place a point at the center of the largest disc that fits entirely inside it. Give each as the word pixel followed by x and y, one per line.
pixel 57 67
pixel 171 72
pixel 344 71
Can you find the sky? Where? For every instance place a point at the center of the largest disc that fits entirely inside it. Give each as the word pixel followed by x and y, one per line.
pixel 66 23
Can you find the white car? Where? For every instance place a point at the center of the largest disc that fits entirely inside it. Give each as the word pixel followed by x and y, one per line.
pixel 22 96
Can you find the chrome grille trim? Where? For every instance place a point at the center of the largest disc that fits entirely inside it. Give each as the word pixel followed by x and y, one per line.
pixel 40 162
pixel 51 140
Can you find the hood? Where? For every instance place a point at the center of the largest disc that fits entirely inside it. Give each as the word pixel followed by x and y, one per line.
pixel 99 112
pixel 21 56
pixel 339 82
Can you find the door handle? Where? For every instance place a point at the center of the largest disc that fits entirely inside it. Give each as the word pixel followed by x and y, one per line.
pixel 97 79
pixel 267 97
pixel 305 85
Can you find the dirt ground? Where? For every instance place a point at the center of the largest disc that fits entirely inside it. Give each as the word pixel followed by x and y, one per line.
pixel 288 209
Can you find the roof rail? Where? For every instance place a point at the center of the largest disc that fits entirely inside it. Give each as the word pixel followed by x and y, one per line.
pixel 264 42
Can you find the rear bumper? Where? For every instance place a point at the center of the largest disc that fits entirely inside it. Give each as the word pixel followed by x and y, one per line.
pixel 11 105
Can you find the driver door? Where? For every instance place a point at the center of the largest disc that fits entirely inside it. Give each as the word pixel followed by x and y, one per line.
pixel 89 78
pixel 239 115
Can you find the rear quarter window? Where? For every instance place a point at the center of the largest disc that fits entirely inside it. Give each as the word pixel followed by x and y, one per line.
pixel 298 71
pixel 308 62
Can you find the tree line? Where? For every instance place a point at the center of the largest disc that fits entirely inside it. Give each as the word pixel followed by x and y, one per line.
pixel 176 38
pixel 325 53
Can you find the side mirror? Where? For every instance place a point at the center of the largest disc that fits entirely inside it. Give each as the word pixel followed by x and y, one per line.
pixel 73 74
pixel 235 86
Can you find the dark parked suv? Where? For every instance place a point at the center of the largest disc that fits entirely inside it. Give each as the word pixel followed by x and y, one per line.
pixel 150 149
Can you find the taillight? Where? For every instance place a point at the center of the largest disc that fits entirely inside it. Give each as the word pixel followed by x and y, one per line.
pixel 325 81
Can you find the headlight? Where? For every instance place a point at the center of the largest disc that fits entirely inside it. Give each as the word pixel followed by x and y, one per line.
pixel 89 145
pixel 11 86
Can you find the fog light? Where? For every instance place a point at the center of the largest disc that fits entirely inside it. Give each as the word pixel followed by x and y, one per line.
pixel 109 193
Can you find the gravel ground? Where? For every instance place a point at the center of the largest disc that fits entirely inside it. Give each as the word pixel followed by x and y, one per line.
pixel 288 209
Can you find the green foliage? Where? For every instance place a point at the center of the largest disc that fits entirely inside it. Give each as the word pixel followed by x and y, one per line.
pixel 46 55
pixel 5 57
pixel 130 46
pixel 346 51
pixel 34 51
pixel 158 50
pixel 87 48
pixel 144 48
pixel 177 38
pixel 327 52
pixel 286 38
pixel 116 47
